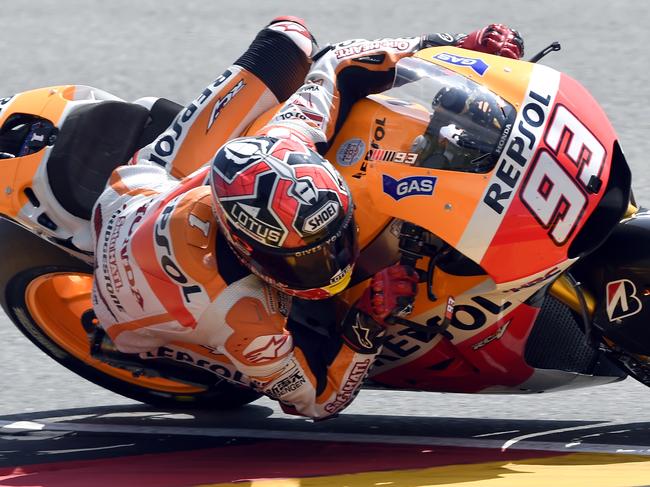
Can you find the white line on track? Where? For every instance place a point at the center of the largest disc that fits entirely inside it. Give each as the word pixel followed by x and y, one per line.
pixel 513 441
pixel 79 450
pixel 519 444
pixel 497 433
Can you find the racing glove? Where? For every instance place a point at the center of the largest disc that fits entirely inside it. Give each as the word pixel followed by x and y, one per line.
pixel 496 39
pixel 391 292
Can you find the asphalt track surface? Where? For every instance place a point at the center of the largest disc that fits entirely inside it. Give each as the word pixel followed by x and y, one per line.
pixel 63 430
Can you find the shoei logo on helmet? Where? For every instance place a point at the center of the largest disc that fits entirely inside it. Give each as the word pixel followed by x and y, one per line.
pixel 477 65
pixel 410 186
pixel 321 217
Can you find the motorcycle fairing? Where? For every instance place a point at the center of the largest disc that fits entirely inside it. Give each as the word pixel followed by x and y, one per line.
pixel 617 275
pixel 520 218
pixel 518 252
pixel 487 350
pixel 28 197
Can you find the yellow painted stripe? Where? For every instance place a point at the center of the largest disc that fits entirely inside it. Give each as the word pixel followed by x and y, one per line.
pixel 575 470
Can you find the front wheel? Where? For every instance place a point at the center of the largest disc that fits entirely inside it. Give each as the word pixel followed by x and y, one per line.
pixel 45 292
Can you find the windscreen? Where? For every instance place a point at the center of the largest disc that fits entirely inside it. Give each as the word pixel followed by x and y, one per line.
pixel 468 124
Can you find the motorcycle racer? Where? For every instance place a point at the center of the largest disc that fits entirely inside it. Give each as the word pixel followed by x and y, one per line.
pixel 182 256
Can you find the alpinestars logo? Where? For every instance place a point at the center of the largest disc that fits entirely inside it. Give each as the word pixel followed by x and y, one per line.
pixel 362 332
pixel 622 300
pixel 267 348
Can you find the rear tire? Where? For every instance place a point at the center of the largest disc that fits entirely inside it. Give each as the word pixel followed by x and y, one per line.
pixel 37 260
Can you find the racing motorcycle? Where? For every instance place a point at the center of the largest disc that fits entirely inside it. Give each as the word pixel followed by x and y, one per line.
pixel 501 181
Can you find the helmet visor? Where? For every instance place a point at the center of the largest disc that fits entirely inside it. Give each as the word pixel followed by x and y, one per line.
pixel 320 266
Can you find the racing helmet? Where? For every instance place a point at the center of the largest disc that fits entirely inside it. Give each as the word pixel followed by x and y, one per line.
pixel 286 213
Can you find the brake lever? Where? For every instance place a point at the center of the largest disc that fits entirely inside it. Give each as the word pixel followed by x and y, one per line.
pixel 554 46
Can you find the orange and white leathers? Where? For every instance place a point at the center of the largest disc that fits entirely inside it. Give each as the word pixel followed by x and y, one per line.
pixel 164 273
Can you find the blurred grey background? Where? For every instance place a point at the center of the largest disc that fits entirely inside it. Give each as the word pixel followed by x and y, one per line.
pixel 173 48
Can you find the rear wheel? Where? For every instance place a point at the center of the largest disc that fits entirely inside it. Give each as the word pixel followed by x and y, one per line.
pixel 45 292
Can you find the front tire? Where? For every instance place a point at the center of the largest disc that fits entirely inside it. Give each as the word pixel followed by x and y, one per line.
pixel 44 291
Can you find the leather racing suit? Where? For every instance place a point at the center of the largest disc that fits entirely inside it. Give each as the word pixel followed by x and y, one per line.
pixel 165 274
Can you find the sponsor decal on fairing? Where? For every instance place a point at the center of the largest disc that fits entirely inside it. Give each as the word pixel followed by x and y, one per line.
pixel 350 152
pixel 513 163
pixel 409 186
pixel 496 336
pixel 622 300
pixel 391 156
pixel 476 64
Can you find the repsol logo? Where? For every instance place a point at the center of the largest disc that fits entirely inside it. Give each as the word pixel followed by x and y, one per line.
pixel 404 342
pixel 321 217
pixel 229 373
pixel 259 230
pixel 518 153
pixel 377 136
pixel 166 258
pixel 165 146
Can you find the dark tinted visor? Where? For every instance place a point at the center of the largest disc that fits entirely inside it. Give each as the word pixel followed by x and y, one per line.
pixel 312 267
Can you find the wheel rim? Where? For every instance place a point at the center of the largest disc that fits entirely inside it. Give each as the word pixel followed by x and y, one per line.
pixel 56 302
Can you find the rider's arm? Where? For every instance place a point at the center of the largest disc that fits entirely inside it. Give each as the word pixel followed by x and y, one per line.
pixel 338 345
pixel 348 71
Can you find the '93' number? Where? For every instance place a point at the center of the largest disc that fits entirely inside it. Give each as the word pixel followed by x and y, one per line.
pixel 556 198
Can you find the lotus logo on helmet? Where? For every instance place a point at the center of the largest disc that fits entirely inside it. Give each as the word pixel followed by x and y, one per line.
pixel 341 274
pixel 245 218
pixel 321 217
